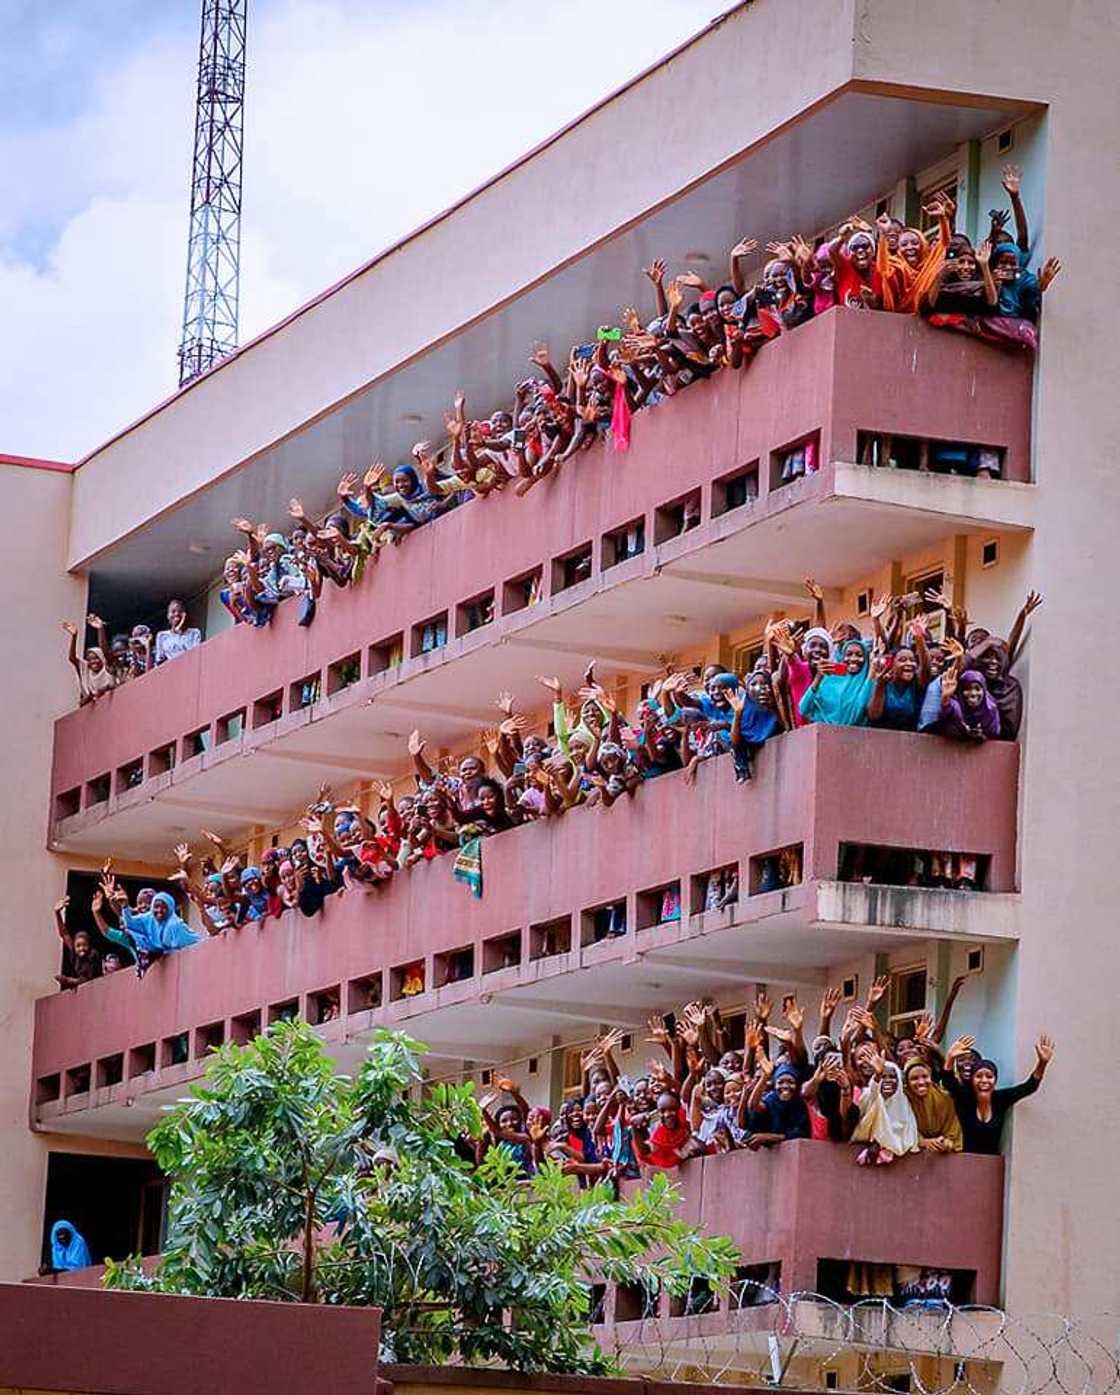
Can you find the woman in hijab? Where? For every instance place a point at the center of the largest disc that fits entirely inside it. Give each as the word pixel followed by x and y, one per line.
pixel 939 1129
pixel 158 931
pixel 68 1248
pixel 968 711
pixel 992 658
pixel 756 720
pixel 840 692
pixel 887 1126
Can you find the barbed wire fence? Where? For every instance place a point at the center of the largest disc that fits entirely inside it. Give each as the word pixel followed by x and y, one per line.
pixel 756 1335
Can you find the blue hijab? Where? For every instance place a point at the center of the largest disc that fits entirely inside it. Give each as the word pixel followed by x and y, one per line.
pixel 162 937
pixel 72 1255
pixel 841 698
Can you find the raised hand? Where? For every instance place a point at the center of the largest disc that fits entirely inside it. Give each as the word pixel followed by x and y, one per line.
pixel 491 740
pixel 182 853
pixel 883 223
pixel 830 1001
pixel 374 475
pixel 690 278
pixel 880 607
pixel 95 622
pixel 416 743
pixel 745 247
pixel 213 838
pixel 540 356
pixel 384 790
pixel 960 1047
pixel 656 271
pixel 762 1007
pixel 1044 1050
pixel 514 724
pixel 658 1032
pixel 242 525
pixel 674 295
pixel 983 253
pixel 60 906
pixel 817 592
pixel 552 684
pixel 630 322
pixel 453 425
pixel 923 1027
pixel 877 989
pixel 1032 603
pixel 999 218
pixel 347 485
pixel 97 901
pixel 70 628
pixel 1012 179
pixel 229 866
pixel 795 1015
pixel 295 508
pixel 1050 269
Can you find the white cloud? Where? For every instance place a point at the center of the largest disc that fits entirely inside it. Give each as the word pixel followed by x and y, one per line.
pixel 361 121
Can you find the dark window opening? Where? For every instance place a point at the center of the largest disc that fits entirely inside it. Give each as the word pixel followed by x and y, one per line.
pixel 676 518
pixel 162 760
pixel 736 490
pixel 244 1027
pixel 110 1071
pixel 622 544
pixel 130 775
pixel 344 673
pixel 660 905
pixel 196 743
pixel 908 1283
pixel 116 1204
pixel 363 993
pixel 501 952
pixel 175 1050
pixel 286 1011
pixel 97 791
pixel 429 635
pixel 795 461
pixel 454 966
pixel 572 568
pixel 230 727
pixel 475 614
pixel 388 653
pixel 325 1006
pixel 603 923
pixel 716 890
pixel 756 1284
pixel 875 865
pixel 938 457
pixel 208 1038
pixel 407 980
pixel 550 937
pixel 777 870
pixel 699 1297
pixel 634 1302
pixel 304 692
pixel 523 591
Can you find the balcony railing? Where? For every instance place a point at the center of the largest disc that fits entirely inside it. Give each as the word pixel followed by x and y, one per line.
pixel 366 658
pixel 798 1211
pixel 527 944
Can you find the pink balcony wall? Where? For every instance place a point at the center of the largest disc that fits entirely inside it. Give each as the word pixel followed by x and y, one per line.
pixel 847 372
pixel 817 787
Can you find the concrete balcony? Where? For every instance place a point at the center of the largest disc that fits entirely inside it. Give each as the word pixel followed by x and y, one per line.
pixel 164 753
pixel 804 1207
pixel 522 963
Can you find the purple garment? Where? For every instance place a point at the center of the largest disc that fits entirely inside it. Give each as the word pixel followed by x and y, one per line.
pixel 971 724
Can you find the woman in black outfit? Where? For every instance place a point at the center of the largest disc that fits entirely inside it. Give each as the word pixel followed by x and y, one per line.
pixel 982 1108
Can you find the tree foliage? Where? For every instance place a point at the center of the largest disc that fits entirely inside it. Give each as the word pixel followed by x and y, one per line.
pixel 291 1181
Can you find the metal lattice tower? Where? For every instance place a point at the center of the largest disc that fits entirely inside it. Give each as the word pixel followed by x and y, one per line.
pixel 210 306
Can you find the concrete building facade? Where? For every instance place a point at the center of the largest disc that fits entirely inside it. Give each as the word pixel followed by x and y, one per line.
pixel 879 102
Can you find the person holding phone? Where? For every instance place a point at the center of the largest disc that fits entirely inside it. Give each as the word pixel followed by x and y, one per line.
pixel 839 694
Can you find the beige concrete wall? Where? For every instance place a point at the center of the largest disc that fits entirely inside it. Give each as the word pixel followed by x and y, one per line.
pixel 38 685
pixel 1063 1221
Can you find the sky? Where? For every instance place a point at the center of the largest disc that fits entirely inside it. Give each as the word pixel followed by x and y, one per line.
pixel 362 119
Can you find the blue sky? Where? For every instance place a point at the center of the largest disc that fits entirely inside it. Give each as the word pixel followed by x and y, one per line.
pixel 361 122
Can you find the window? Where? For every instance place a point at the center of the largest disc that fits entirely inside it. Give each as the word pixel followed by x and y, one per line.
pixel 989 553
pixel 907 997
pixel 944 187
pixel 745 656
pixel 932 615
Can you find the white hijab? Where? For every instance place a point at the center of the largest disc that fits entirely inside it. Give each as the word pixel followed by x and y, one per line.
pixel 888 1122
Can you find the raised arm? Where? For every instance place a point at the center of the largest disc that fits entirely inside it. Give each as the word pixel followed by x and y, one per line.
pixel 741 249
pixel 1012 181
pixel 416 744
pixel 938 1032
pixel 1015 638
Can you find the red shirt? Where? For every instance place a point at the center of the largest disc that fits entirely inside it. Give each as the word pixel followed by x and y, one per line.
pixel 664 1147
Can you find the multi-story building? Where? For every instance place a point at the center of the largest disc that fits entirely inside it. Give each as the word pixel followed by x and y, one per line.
pixel 796 117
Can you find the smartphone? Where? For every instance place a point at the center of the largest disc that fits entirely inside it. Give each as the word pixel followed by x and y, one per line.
pixel 837 670
pixel 584 351
pixel 788 999
pixel 605 334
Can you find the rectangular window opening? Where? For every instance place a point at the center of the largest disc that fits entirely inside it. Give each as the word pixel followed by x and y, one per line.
pixel 755 1285
pixel 550 937
pixel 474 614
pixel 523 591
pixel 454 966
pixel 230 727
pixel 77 1081
pixel 161 761
pixel 196 743
pixel 344 673
pixel 571 568
pixel 622 544
pixel 700 1297
pixel 777 870
pixel 677 517
pixel 304 692
pixel 325 1005
pixel 793 462
pixel 606 922
pixel 407 980
pixel 923 868
pixel 363 993
pixel 386 654
pixel 715 890
pixel 244 1027
pixel 175 1050
pixel 48 1089
pixel 97 791
pixel 286 1011
pixel 659 905
pixel 635 1302
pixel 501 952
pixel 141 1060
pixel 929 455
pixel 429 635
pixel 68 803
pixel 905 1283
pixel 110 1070
pixel 130 776
pixel 208 1038
pixel 269 708
pixel 735 490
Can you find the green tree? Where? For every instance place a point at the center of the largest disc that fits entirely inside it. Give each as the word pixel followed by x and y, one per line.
pixel 291 1181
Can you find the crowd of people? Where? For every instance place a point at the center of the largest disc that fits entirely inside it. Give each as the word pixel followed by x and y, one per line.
pixel 886 1095
pixel 986 291
pixel 899 677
